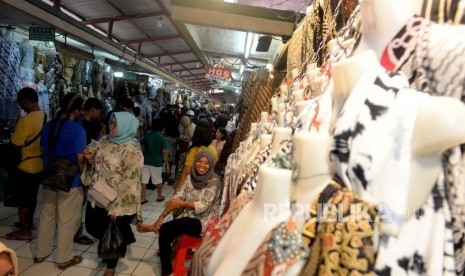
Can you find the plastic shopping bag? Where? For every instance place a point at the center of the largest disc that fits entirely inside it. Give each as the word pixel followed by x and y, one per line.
pixel 112 245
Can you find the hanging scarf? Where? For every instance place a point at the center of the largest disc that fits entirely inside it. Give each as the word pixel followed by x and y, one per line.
pixel 127 128
pixel 200 181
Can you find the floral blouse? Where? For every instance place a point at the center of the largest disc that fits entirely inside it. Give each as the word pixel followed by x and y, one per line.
pixel 120 166
pixel 206 201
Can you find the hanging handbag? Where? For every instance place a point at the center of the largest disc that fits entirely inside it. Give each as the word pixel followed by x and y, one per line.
pixel 100 192
pixel 60 172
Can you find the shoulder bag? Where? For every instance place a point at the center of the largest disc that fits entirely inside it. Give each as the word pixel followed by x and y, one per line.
pixel 15 151
pixel 60 172
pixel 100 192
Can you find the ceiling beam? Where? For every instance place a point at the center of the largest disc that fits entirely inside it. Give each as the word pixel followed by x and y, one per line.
pixel 181 62
pixel 76 30
pixel 231 16
pixel 123 17
pixel 169 54
pixel 57 4
pixel 149 39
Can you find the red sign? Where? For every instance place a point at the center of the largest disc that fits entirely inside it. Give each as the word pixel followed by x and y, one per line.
pixel 218 73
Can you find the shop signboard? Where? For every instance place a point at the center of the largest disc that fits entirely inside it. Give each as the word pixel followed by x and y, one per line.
pixel 41 34
pixel 218 73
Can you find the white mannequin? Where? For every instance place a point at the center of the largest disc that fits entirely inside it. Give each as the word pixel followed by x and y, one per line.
pixel 274 105
pixel 253 128
pixel 382 20
pixel 438 126
pixel 311 152
pixel 264 117
pixel 284 90
pixel 265 140
pixel 280 135
pixel 254 222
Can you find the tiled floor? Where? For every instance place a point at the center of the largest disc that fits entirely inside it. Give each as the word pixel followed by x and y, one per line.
pixel 141 257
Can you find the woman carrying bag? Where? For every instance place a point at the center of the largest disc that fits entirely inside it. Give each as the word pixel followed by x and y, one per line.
pixel 117 161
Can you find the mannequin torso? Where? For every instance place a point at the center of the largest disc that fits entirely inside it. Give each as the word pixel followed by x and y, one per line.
pixel 254 222
pixel 311 152
pixel 381 20
pixel 437 127
pixel 280 135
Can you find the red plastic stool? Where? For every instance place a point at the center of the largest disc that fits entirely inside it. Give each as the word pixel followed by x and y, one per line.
pixel 184 252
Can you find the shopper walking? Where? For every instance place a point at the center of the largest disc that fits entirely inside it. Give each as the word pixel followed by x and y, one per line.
pixel 220 139
pixel 155 148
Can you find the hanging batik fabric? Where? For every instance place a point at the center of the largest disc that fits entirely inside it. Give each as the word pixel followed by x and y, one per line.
pixel 371 154
pixel 431 56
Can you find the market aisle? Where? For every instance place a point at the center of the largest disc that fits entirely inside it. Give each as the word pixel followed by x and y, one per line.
pixel 141 257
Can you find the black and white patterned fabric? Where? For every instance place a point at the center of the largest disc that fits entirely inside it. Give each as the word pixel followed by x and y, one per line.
pixel 371 154
pixel 432 57
pixel 248 180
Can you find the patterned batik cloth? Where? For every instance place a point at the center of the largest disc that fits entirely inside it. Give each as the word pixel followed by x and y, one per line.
pixel 280 249
pixel 248 180
pixel 431 56
pixel 371 153
pixel 43 99
pixel 341 234
pixel 10 58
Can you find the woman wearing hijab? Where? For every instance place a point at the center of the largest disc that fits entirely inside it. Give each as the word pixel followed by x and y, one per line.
pixel 118 161
pixel 200 198
pixel 62 137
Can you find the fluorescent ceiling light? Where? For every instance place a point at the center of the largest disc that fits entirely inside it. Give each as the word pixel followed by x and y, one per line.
pixel 118 74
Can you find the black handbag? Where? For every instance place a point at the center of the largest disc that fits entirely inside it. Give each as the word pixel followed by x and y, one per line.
pixel 60 172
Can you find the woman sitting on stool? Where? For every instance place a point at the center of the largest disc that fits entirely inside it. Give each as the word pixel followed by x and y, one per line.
pixel 200 198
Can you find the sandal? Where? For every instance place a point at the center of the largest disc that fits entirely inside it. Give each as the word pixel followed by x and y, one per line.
pixel 74 261
pixel 40 260
pixel 160 199
pixel 144 201
pixel 83 239
pixel 18 236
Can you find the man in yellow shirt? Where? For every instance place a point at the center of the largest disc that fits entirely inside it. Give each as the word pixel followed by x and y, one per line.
pixel 25 180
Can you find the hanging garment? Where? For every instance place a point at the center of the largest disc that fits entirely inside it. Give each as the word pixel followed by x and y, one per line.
pixel 371 153
pixel 444 12
pixel 256 97
pixel 280 249
pixel 248 180
pixel 10 58
pixel 44 102
pixel 340 233
pixel 431 56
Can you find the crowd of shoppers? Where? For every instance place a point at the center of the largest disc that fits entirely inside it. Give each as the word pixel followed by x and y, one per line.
pixel 180 147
